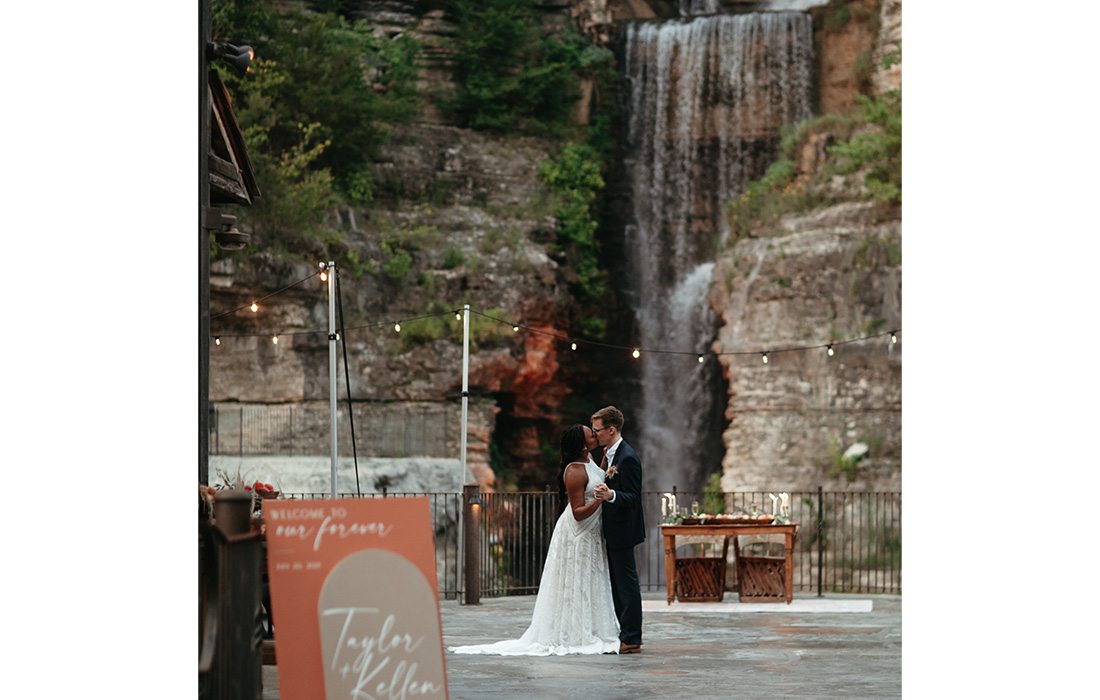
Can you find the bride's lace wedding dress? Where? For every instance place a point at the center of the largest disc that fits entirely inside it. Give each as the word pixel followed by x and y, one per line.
pixel 574 613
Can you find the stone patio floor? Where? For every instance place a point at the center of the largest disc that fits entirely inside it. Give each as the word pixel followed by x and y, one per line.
pixel 815 648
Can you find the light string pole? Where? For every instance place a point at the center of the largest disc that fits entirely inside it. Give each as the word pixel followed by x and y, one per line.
pixel 342 336
pixel 465 390
pixel 332 371
pixel 466 531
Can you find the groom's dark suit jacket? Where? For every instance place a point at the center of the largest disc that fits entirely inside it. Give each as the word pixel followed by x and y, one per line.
pixel 623 524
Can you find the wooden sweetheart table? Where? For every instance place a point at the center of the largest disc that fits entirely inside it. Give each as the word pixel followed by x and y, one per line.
pixel 762 579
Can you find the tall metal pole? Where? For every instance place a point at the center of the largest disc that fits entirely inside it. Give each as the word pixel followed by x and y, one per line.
pixel 332 369
pixel 465 386
pixel 469 548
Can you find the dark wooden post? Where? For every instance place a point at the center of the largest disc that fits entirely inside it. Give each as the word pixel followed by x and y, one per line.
pixel 230 589
pixel 204 249
pixel 820 539
pixel 471 525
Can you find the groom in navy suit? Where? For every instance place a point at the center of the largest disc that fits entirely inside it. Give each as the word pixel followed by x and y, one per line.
pixel 623 523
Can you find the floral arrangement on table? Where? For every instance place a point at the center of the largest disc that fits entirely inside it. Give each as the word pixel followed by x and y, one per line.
pixel 260 490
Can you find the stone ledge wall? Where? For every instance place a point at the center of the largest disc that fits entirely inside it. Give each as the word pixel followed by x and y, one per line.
pixel 833 274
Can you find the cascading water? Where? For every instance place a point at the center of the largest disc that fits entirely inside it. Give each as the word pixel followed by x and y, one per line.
pixel 707 97
pixel 690 8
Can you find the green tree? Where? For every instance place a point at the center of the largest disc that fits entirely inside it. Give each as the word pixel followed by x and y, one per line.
pixel 509 73
pixel 314 108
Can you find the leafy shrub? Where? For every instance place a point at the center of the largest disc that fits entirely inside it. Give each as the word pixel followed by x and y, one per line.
pixel 574 175
pixel 867 139
pixel 877 148
pixel 398 263
pixel 453 257
pixel 714 501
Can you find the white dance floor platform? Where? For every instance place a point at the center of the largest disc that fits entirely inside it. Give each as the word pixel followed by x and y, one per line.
pixel 798 605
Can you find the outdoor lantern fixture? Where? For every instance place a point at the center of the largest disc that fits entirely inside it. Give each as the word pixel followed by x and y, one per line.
pixel 224 226
pixel 475 503
pixel 238 57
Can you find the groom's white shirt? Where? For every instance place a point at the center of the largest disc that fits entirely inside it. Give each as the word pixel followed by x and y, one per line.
pixel 610 458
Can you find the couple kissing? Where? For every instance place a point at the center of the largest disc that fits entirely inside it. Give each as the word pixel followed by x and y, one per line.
pixel 589 599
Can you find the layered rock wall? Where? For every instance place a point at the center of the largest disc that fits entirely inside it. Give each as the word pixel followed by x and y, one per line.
pixel 472 214
pixel 830 275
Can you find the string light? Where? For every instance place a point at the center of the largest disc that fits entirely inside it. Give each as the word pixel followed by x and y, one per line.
pixel 274 340
pixel 324 274
pixel 636 352
pixel 255 304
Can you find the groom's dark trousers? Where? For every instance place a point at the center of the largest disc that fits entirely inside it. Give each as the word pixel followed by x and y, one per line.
pixel 626 593
pixel 623 528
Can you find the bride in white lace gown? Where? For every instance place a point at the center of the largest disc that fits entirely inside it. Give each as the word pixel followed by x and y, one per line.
pixel 574 612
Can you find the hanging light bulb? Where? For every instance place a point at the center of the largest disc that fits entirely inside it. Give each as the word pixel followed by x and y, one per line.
pixel 254 307
pixel 700 359
pixel 338 336
pixel 637 353
pixel 830 350
pixel 217 341
pixel 274 340
pixel 515 329
pixel 893 337
pixel 764 356
pixel 573 345
pixel 324 276
pixel 458 316
pixel 397 327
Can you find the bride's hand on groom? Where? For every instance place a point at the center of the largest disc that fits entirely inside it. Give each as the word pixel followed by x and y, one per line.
pixel 603 493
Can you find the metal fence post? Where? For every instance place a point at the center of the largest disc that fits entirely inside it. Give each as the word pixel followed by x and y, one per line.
pixel 471 515
pixel 820 538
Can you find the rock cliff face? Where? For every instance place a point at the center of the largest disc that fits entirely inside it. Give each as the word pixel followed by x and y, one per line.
pixel 829 275
pixel 474 218
pixel 472 214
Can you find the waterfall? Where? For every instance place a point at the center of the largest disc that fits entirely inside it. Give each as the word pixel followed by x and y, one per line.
pixel 690 8
pixel 707 97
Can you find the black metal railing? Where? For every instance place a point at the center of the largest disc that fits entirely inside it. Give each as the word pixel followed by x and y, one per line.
pixel 516 530
pixel 848 542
